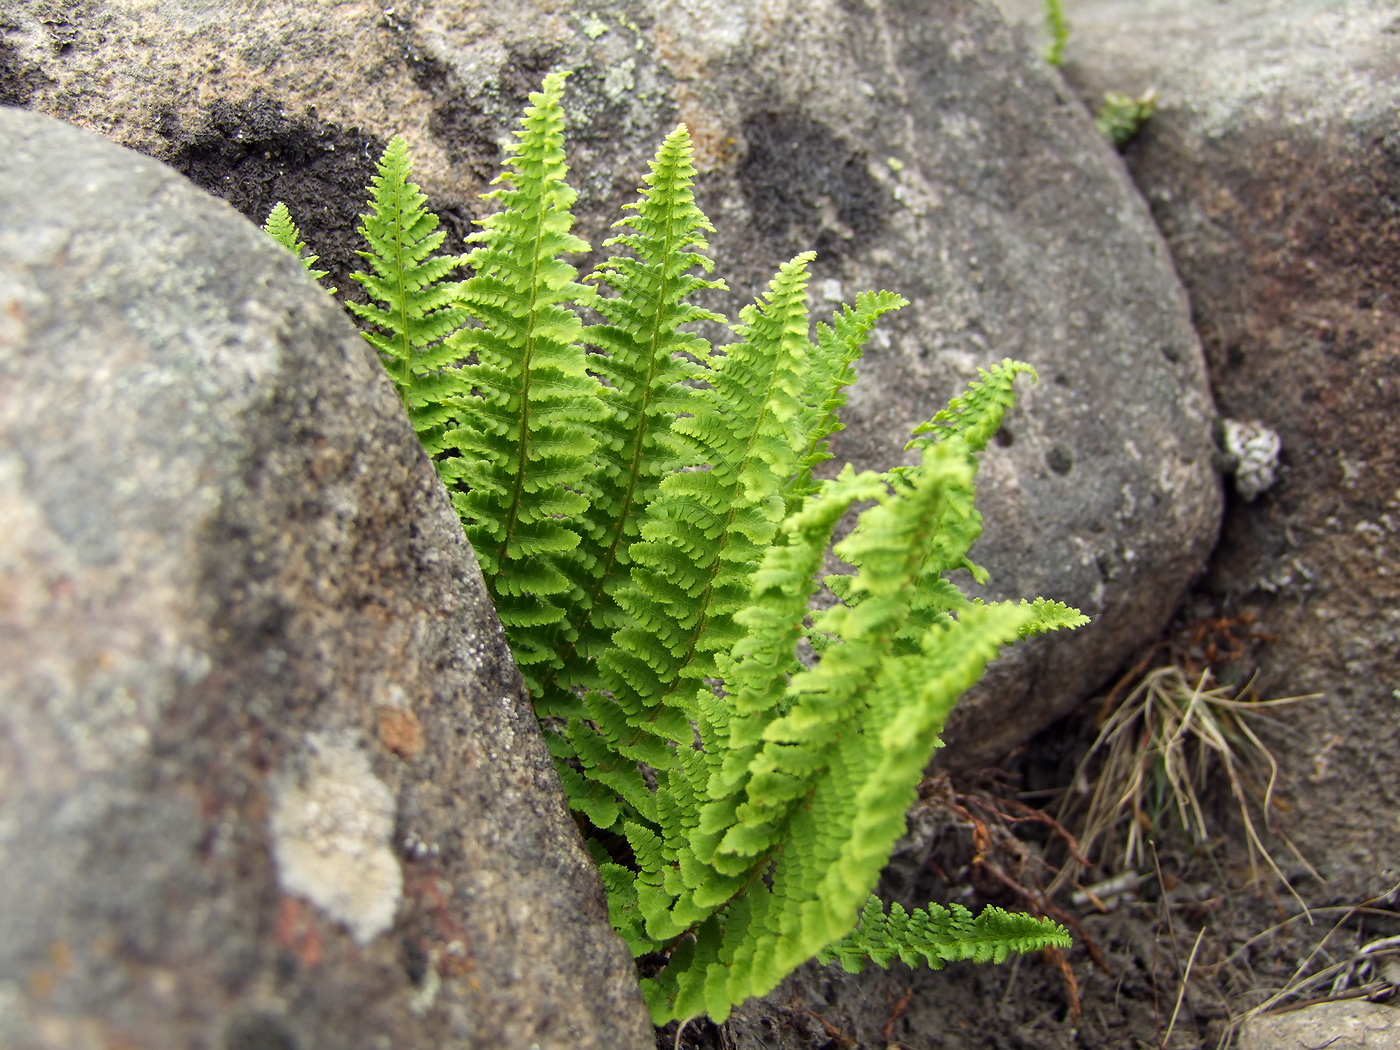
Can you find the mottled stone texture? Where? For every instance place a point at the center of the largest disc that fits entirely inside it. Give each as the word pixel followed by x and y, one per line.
pixel 1347 1025
pixel 267 775
pixel 1273 167
pixel 917 147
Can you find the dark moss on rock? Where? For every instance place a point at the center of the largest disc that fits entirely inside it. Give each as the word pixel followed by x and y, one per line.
pixel 797 175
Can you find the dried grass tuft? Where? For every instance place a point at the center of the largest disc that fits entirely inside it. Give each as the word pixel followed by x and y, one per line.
pixel 1153 755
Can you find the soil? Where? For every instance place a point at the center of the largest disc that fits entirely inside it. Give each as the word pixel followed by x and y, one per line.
pixel 1195 910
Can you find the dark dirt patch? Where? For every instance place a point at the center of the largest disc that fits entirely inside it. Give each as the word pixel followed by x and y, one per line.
pixel 806 185
pixel 468 127
pixel 19 80
pixel 253 153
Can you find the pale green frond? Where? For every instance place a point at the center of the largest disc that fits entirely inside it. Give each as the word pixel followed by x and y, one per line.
pixel 412 308
pixel 280 227
pixel 975 415
pixel 938 935
pixel 525 421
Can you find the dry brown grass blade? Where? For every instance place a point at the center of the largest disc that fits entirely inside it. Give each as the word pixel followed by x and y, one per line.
pixel 1181 991
pixel 1056 958
pixel 1298 984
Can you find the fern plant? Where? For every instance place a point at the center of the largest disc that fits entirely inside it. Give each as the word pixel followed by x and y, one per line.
pixel 648 516
pixel 1057 28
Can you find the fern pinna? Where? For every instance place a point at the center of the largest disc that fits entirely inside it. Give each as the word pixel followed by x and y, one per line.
pixel 647 512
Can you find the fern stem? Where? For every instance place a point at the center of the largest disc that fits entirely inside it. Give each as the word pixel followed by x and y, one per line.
pixel 522 453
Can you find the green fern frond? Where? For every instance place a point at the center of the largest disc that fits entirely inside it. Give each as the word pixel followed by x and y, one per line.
pixel 970 420
pixel 646 360
pixel 757 676
pixel 1058 29
pixel 411 308
pixel 704 532
pixel 839 346
pixel 1052 616
pixel 519 478
pixel 861 680
pixel 283 230
pixel 707 529
pixel 937 935
pixel 977 414
pixel 835 843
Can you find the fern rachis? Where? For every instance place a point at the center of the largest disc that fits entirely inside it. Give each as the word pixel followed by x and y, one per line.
pixel 649 521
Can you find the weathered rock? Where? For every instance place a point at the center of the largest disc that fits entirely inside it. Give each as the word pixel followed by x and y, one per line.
pixel 267 775
pixel 1343 1025
pixel 1273 167
pixel 928 154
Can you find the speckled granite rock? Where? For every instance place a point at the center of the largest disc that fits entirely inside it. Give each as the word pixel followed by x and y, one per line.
pixel 925 152
pixel 267 775
pixel 1273 167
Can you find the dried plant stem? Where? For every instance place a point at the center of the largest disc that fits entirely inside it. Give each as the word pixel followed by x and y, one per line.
pixel 1295 985
pixel 1181 992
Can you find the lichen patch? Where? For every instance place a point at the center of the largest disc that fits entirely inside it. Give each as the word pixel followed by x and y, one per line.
pixel 332 819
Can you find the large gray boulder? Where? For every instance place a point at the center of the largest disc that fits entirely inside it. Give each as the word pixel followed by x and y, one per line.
pixel 1273 168
pixel 268 778
pixel 917 149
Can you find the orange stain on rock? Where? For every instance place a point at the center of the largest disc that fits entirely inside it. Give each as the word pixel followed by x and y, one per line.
pixel 401 732
pixel 296 931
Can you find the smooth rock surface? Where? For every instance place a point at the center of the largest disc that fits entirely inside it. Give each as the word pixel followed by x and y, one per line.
pixel 267 775
pixel 1346 1025
pixel 924 151
pixel 1273 167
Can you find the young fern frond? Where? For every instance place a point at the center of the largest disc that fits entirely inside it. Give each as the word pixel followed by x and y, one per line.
pixel 971 419
pixel 280 227
pixel 1051 616
pixel 1057 28
pixel 976 414
pixel 523 438
pixel 411 308
pixel 937 935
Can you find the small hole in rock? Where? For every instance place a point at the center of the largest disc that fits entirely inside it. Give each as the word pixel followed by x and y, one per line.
pixel 260 1032
pixel 1059 459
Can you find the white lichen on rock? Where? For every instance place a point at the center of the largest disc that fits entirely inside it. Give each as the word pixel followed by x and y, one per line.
pixel 1253 449
pixel 332 820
